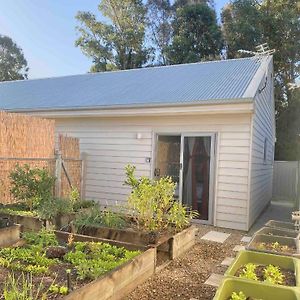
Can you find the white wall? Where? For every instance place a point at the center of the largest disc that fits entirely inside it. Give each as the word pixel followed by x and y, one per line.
pixel 263 127
pixel 111 143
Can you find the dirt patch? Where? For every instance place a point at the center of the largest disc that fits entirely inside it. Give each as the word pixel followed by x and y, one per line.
pixel 184 277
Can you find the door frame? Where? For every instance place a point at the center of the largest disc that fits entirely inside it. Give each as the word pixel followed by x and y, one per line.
pixel 212 170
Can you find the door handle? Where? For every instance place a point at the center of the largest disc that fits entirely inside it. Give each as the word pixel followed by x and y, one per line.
pixel 156 172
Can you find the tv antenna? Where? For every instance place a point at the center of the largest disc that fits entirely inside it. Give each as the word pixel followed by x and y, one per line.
pixel 262 49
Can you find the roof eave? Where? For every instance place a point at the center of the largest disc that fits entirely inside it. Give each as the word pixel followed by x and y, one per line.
pixel 239 105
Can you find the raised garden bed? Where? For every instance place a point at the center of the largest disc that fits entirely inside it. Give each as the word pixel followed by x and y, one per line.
pixel 289 267
pixel 278 232
pixel 9 235
pixel 254 291
pixel 274 245
pixel 173 244
pixel 280 225
pixel 96 270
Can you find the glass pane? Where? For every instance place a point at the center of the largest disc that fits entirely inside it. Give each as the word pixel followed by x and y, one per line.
pixel 168 159
pixel 196 174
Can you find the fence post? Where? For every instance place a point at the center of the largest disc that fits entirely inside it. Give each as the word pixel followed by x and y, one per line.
pixel 58 165
pixel 83 174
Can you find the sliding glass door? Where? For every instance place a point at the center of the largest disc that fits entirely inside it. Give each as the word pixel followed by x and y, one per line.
pixel 188 159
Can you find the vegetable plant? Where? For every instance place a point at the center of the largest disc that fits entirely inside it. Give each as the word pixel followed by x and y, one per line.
pixel 22 288
pixel 272 274
pixel 249 272
pixel 96 217
pixel 238 296
pixel 152 203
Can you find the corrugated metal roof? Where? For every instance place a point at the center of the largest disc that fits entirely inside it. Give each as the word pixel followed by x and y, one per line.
pixel 218 81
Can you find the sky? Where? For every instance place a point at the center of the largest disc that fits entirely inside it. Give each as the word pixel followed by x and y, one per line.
pixel 45 30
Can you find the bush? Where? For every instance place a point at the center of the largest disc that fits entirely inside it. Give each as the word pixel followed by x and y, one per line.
pixel 31 185
pixel 96 217
pixel 153 205
pixel 50 208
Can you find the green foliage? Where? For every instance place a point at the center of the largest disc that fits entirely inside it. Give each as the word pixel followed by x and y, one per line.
pixel 92 260
pixel 196 35
pixel 13 65
pixel 80 204
pixel 43 238
pixel 56 289
pixel 247 23
pixel 32 185
pixel 153 205
pixel 74 196
pixel 15 212
pixel 52 207
pixel 97 217
pixel 23 288
pixel 249 272
pixel 118 44
pixel 159 18
pixel 272 274
pixel 238 296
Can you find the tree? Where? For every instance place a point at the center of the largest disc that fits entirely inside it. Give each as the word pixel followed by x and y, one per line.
pixel 159 17
pixel 247 23
pixel 241 26
pixel 119 44
pixel 197 35
pixel 288 130
pixel 13 65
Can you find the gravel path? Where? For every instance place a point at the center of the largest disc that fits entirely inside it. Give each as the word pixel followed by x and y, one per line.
pixel 184 277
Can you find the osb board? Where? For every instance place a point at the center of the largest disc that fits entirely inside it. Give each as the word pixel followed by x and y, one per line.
pixel 25 136
pixel 117 283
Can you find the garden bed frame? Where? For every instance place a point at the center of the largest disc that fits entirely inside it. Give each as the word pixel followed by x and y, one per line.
pixel 272 231
pixel 32 223
pixel 173 244
pixel 259 258
pixel 256 290
pixel 261 238
pixel 10 235
pixel 117 283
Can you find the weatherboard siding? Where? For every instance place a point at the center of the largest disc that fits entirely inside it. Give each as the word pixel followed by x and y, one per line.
pixel 111 143
pixel 262 171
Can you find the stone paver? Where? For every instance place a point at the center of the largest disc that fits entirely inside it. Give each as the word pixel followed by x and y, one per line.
pixel 214 279
pixel 246 239
pixel 215 236
pixel 227 261
pixel 238 248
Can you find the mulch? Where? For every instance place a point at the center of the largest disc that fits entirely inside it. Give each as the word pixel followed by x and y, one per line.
pixel 184 277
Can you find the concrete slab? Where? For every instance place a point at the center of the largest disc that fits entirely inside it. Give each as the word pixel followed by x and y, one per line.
pixel 227 261
pixel 215 236
pixel 214 279
pixel 238 248
pixel 246 239
pixel 275 211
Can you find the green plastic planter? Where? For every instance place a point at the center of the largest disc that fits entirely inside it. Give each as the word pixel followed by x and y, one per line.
pixel 284 262
pixel 280 225
pixel 255 290
pixel 261 238
pixel 278 232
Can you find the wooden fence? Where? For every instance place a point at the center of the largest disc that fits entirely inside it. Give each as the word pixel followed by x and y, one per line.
pixel 286 181
pixel 29 140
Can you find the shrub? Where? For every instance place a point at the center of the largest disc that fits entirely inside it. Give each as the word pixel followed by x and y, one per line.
pixel 153 205
pixel 96 217
pixel 50 208
pixel 32 185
